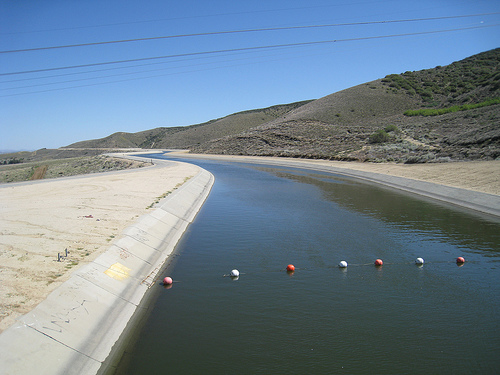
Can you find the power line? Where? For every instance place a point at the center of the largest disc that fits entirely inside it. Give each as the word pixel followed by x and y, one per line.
pixel 247 49
pixel 116 81
pixel 102 70
pixel 198 16
pixel 243 31
pixel 107 76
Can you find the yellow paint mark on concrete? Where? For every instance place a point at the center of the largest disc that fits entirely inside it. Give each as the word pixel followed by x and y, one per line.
pixel 118 271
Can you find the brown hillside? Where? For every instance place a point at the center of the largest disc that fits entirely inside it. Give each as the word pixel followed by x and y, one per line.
pixel 368 122
pixel 183 137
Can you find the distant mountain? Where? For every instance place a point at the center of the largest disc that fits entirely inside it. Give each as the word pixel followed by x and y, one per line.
pixel 440 114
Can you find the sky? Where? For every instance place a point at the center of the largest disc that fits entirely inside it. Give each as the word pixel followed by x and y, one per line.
pixel 201 60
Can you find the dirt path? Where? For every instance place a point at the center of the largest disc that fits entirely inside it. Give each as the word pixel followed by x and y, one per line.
pixel 39 173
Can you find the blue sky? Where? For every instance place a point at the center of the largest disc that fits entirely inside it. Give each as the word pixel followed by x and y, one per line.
pixel 64 103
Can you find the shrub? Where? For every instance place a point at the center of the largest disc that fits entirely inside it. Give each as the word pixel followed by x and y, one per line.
pixel 391 128
pixel 380 136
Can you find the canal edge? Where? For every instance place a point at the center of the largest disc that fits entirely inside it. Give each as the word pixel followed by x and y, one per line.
pixel 74 330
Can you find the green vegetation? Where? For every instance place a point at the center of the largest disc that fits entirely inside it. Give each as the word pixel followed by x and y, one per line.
pixel 455 108
pixel 382 135
pixel 12 161
pixel 72 264
pixel 467 81
pixel 392 128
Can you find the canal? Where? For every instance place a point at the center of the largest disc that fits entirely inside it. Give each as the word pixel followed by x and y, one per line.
pixel 438 318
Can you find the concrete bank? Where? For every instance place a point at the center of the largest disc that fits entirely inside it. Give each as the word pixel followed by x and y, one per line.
pixel 477 201
pixel 74 329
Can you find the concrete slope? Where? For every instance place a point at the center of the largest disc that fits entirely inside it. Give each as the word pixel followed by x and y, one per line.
pixel 75 328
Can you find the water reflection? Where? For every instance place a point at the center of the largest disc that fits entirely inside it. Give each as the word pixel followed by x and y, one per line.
pixel 464 228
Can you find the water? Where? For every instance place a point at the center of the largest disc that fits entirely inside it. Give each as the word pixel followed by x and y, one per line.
pixel 399 318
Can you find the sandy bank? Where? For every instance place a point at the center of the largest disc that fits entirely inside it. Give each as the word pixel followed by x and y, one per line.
pixel 83 215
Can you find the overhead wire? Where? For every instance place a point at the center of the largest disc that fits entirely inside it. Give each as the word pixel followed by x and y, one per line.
pixel 199 16
pixel 242 31
pixel 122 80
pixel 245 49
pixel 110 75
pixel 107 69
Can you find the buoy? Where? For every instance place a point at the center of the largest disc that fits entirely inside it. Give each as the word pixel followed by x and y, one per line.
pixel 167 281
pixel 460 260
pixel 290 268
pixel 419 261
pixel 235 273
pixel 343 264
pixel 378 262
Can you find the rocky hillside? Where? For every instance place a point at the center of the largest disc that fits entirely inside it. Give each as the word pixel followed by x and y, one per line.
pixel 184 137
pixel 439 114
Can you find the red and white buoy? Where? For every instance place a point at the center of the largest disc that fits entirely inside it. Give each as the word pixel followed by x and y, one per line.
pixel 378 262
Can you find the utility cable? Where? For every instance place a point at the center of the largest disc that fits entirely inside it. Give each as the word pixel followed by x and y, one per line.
pixel 242 31
pixel 202 16
pixel 248 49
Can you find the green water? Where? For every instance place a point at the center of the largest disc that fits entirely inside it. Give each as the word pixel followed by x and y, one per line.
pixel 395 319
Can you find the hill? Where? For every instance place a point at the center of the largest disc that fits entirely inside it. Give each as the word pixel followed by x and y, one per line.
pixel 438 114
pixel 183 137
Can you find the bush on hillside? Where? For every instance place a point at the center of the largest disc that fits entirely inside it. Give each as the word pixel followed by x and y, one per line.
pixel 380 136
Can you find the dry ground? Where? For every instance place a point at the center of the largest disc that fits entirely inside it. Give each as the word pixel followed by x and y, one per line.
pixel 83 215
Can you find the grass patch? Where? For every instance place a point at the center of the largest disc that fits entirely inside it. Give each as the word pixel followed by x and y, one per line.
pixel 72 264
pixel 455 108
pixel 164 195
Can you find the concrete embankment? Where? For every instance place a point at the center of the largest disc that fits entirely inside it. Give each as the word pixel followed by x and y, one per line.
pixel 74 330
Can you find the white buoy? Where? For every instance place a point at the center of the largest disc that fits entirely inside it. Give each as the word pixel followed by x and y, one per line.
pixel 235 273
pixel 419 261
pixel 343 264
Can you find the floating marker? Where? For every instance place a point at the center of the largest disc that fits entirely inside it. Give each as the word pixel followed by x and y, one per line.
pixel 460 260
pixel 378 262
pixel 290 268
pixel 419 261
pixel 343 264
pixel 234 273
pixel 167 281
